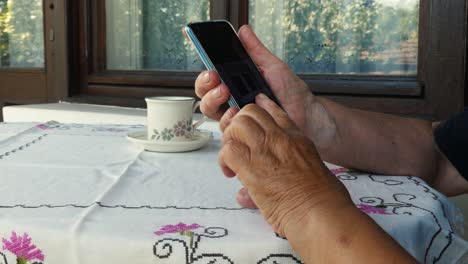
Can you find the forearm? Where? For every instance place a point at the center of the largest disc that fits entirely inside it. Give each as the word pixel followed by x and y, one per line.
pixel 323 237
pixel 377 142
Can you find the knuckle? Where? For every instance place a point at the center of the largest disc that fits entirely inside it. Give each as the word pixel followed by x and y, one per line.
pixel 221 154
pixel 207 107
pixel 228 150
pixel 198 79
pixel 202 89
pixel 251 129
pixel 241 121
pixel 225 119
pixel 222 124
pixel 250 108
pixel 229 146
pixel 198 91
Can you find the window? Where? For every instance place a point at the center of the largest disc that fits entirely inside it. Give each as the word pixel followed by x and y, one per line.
pixel 384 55
pixel 31 48
pixel 21 34
pixel 146 34
pixel 373 37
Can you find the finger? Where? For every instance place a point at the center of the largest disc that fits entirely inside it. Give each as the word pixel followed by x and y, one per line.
pixel 245 130
pixel 257 51
pixel 244 199
pixel 279 115
pixel 232 157
pixel 260 117
pixel 211 103
pixel 227 118
pixel 227 171
pixel 206 81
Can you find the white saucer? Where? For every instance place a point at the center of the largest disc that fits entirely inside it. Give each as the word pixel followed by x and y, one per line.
pixel 200 139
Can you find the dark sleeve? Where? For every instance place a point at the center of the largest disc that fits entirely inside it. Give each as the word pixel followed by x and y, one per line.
pixel 451 137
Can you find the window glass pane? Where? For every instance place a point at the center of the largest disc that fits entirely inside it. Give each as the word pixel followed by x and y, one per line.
pixel 21 33
pixel 147 34
pixel 378 37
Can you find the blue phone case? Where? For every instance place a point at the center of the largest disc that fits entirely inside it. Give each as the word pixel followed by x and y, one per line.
pixel 206 60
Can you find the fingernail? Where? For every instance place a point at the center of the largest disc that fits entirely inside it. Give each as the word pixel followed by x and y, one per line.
pixel 206 77
pixel 262 96
pixel 218 92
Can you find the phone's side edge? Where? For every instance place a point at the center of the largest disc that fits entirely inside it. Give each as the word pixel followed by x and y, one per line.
pixel 206 60
pixel 201 52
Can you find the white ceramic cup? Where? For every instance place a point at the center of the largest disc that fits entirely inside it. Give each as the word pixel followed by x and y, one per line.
pixel 170 118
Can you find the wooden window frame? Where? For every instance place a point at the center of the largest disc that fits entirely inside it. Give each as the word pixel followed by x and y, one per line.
pixel 48 83
pixel 440 64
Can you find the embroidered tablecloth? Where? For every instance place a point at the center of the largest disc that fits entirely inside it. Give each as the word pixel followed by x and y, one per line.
pixel 73 193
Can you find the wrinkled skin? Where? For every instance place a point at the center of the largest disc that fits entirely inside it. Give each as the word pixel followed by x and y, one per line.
pixel 278 165
pixel 301 105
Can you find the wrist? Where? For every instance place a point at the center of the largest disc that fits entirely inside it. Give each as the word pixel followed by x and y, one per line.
pixel 321 127
pixel 325 228
pixel 343 234
pixel 318 215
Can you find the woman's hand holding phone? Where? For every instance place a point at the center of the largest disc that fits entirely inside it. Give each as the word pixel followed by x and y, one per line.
pixel 292 92
pixel 294 95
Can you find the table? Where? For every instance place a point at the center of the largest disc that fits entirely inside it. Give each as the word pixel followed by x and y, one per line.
pixel 72 193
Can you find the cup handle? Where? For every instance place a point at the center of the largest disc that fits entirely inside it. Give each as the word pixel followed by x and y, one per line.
pixel 202 120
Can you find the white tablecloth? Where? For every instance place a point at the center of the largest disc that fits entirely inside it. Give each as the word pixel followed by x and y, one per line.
pixel 84 194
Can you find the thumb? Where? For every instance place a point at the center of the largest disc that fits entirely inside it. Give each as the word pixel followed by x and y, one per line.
pixel 261 56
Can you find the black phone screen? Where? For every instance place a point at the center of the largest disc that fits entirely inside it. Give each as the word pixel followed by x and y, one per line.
pixel 231 60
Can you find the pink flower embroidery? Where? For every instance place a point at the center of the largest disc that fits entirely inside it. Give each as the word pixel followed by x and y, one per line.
pixel 179 228
pixel 369 209
pixel 23 249
pixel 339 170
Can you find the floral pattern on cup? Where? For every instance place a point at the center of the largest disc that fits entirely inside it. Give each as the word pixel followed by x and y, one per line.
pixel 180 129
pixel 167 134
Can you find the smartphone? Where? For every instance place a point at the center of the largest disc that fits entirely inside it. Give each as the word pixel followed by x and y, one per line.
pixel 221 50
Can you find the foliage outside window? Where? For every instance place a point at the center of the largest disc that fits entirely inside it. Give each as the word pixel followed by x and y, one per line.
pixel 378 37
pixel 21 33
pixel 147 34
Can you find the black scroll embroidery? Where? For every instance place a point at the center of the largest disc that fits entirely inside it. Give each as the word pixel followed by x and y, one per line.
pixel 449 237
pixel 279 258
pixel 3 259
pixel 27 145
pixel 346 176
pixel 121 206
pixel 351 175
pixel 164 248
pixel 385 181
pixel 402 205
